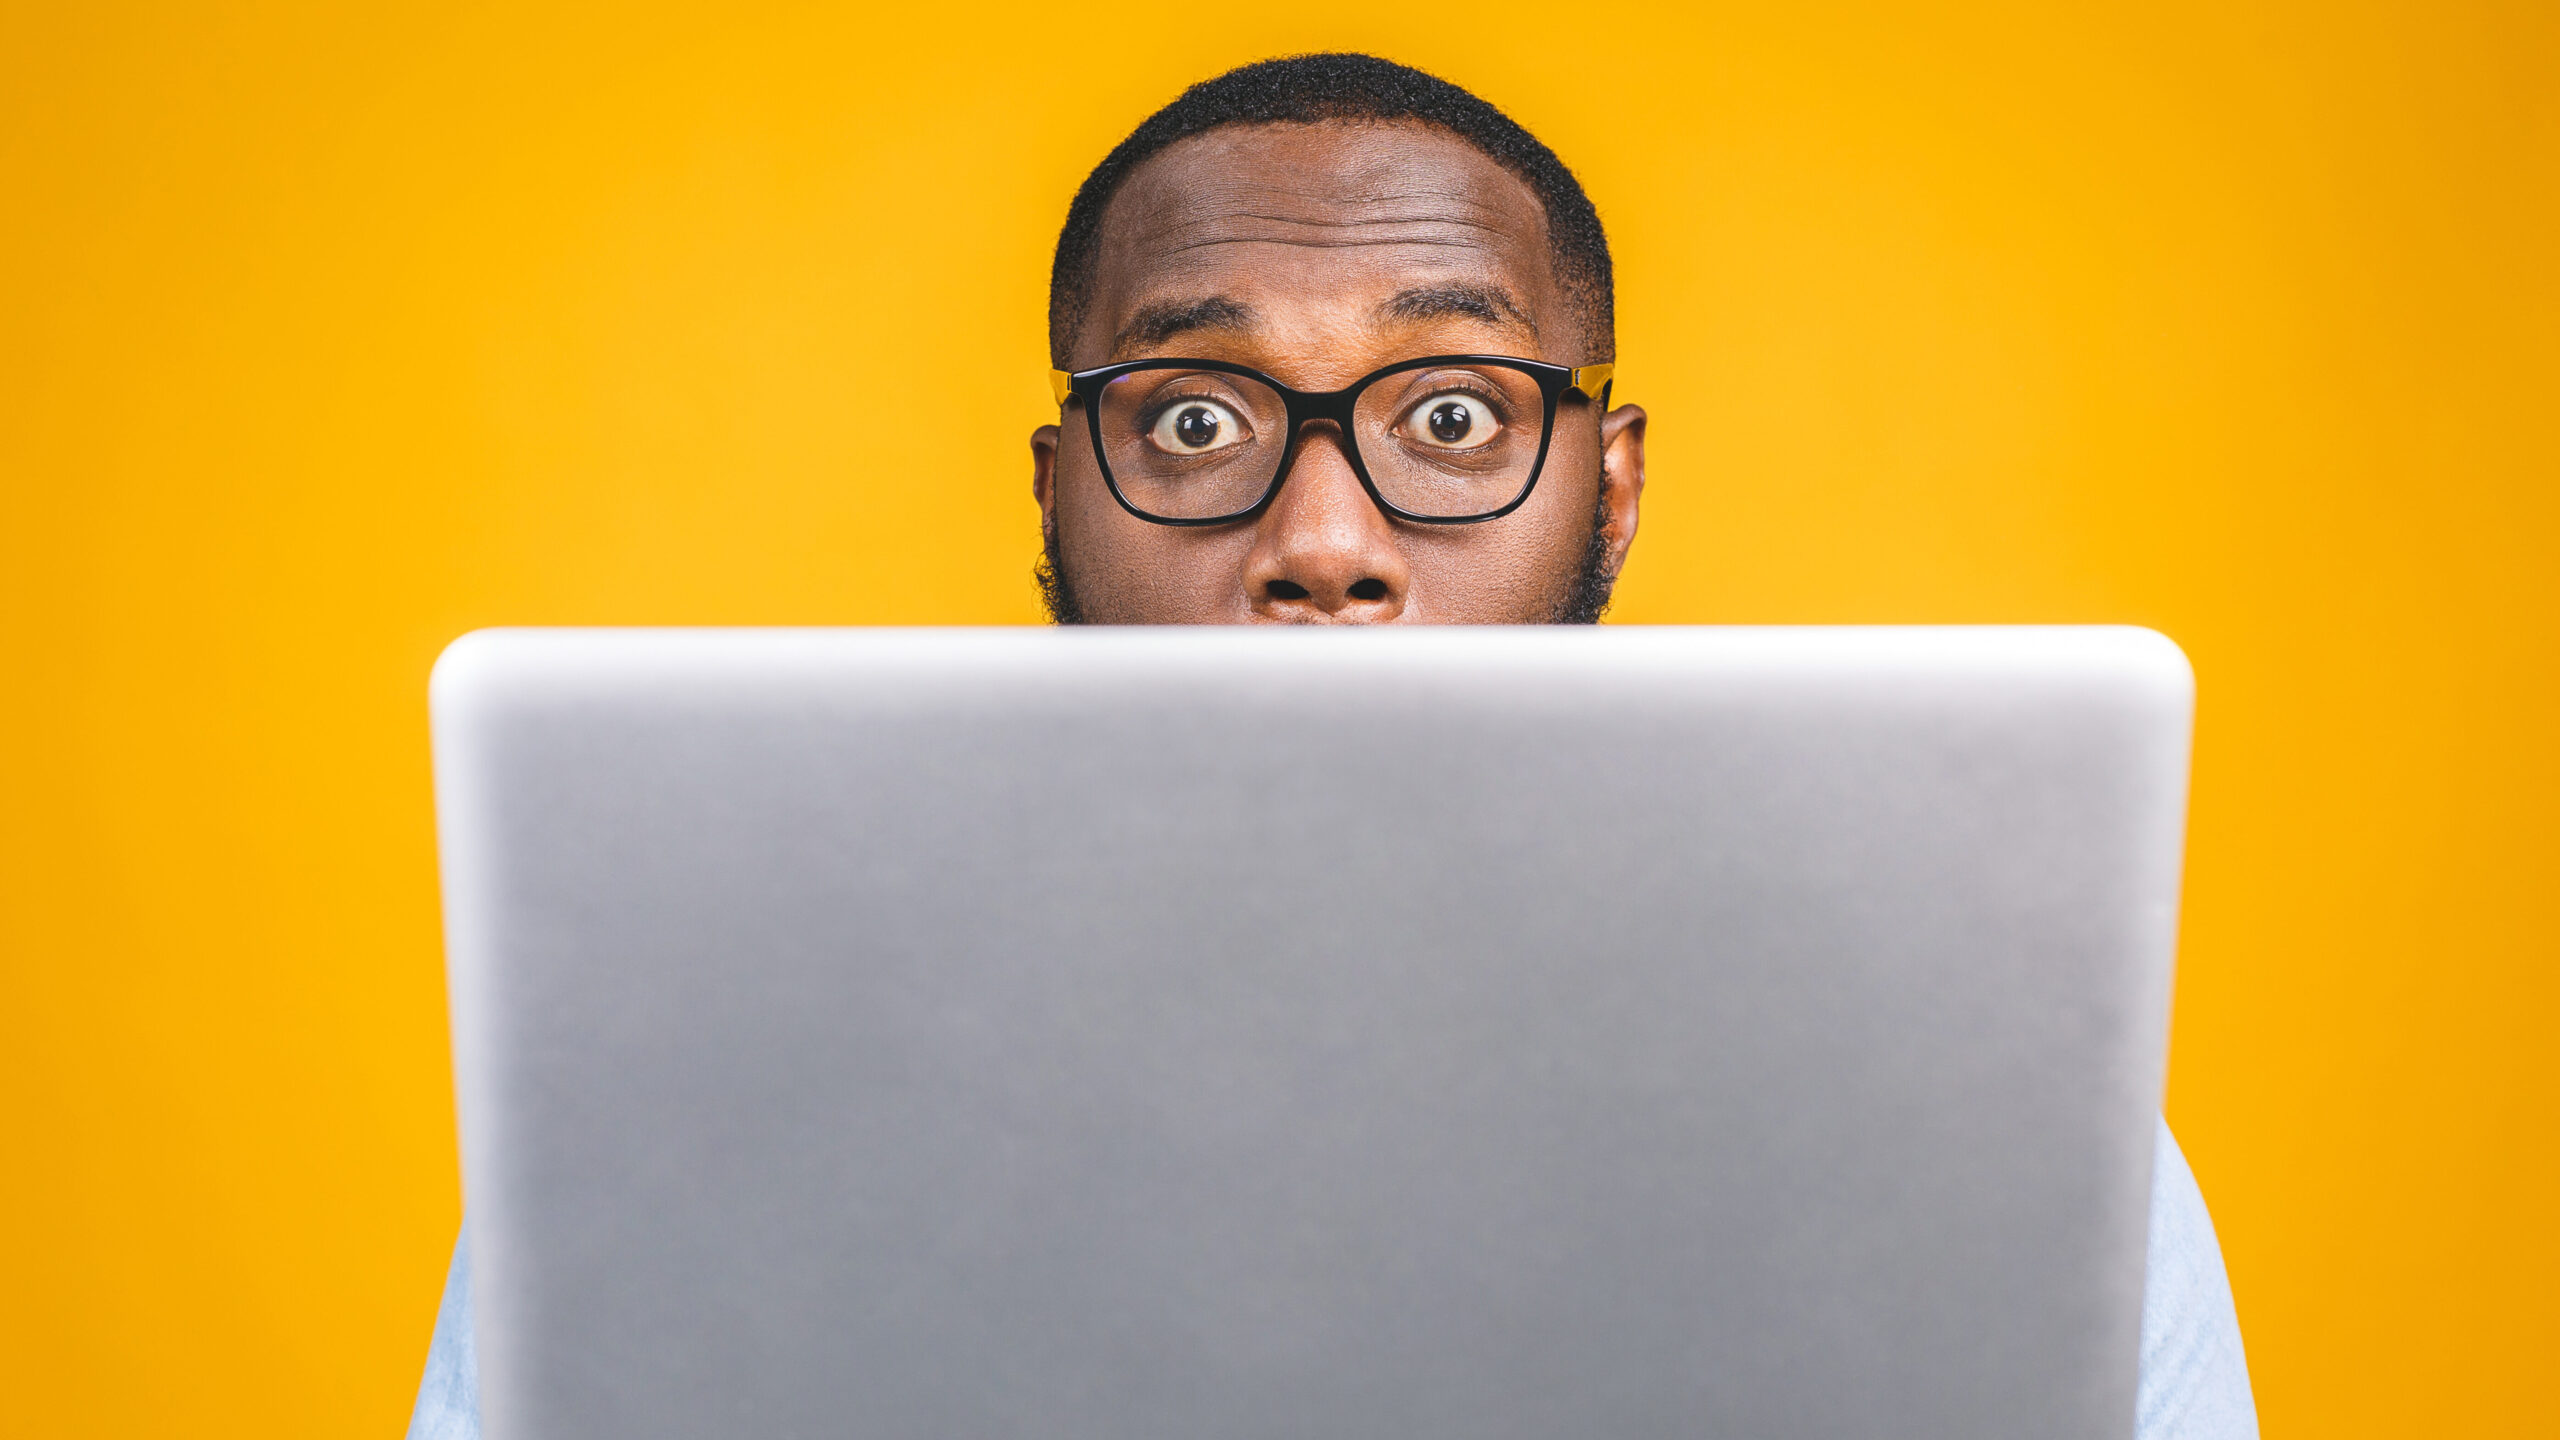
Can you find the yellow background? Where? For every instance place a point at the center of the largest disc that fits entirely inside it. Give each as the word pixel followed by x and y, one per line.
pixel 330 331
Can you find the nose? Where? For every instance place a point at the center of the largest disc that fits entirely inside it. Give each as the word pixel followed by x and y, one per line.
pixel 1323 554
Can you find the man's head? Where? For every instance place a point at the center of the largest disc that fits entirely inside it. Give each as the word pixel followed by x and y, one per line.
pixel 1317 219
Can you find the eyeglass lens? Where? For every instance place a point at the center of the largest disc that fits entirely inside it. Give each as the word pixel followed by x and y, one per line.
pixel 1449 441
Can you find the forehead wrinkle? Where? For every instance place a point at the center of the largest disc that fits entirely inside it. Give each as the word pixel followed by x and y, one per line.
pixel 1453 243
pixel 1253 228
pixel 1204 220
pixel 1320 223
pixel 1342 191
pixel 1251 206
pixel 1395 209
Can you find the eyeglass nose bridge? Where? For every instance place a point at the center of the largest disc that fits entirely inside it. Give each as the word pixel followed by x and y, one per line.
pixel 1305 409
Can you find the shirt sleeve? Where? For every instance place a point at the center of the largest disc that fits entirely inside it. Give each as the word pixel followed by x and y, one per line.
pixel 449 1395
pixel 2195 1378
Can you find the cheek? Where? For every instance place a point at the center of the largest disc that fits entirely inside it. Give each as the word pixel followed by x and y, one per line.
pixel 1129 572
pixel 1514 570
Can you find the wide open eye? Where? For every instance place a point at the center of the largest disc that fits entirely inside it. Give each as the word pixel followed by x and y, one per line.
pixel 1453 420
pixel 1197 426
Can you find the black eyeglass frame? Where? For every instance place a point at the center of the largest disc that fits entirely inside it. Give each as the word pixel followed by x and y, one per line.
pixel 1554 381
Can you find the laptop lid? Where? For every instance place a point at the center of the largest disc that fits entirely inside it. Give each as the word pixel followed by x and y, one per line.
pixel 1107 1035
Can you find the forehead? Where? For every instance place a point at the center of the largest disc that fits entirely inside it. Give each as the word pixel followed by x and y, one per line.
pixel 1312 227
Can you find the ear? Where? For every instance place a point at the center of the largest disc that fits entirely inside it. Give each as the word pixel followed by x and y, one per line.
pixel 1044 475
pixel 1622 477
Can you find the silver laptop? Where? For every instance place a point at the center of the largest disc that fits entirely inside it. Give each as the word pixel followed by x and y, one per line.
pixel 1223 1034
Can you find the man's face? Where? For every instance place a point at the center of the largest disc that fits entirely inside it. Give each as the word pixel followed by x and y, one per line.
pixel 1316 254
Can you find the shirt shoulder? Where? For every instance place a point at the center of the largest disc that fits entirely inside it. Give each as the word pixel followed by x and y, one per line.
pixel 448 1405
pixel 2195 1377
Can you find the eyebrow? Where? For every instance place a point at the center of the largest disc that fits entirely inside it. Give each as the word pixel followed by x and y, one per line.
pixel 1473 302
pixel 1155 324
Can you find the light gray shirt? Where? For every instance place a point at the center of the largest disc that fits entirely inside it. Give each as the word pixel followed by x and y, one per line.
pixel 2195 1380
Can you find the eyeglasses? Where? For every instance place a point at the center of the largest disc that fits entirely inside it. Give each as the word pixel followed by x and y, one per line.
pixel 1443 440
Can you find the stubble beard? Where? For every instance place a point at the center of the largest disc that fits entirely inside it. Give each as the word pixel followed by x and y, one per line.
pixel 1583 602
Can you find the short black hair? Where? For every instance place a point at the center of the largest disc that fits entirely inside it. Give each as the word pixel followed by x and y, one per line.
pixel 1304 89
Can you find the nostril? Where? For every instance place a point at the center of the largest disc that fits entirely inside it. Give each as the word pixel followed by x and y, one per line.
pixel 1285 590
pixel 1372 588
